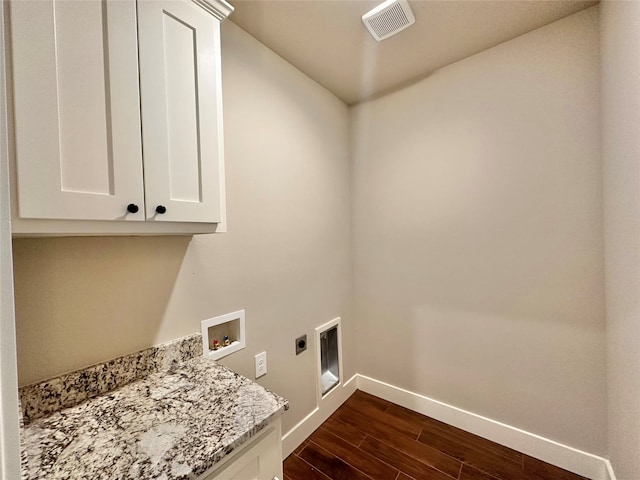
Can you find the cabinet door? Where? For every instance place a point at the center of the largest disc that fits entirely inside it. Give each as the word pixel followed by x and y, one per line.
pixel 261 461
pixel 76 109
pixel 180 90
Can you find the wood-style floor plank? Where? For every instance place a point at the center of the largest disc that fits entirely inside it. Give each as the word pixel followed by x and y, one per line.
pixel 405 426
pixel 489 457
pixel 470 473
pixel 425 454
pixel 345 431
pixel 402 476
pixel 297 469
pixel 353 456
pixel 378 424
pixel 457 441
pixel 402 461
pixel 329 464
pixel 369 438
pixel 371 400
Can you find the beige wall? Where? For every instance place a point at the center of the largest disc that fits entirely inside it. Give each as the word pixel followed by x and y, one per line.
pixel 285 259
pixel 620 24
pixel 479 239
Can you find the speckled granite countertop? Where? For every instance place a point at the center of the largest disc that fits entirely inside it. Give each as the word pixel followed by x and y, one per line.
pixel 169 425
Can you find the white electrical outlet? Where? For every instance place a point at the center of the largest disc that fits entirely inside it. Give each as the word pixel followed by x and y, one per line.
pixel 261 364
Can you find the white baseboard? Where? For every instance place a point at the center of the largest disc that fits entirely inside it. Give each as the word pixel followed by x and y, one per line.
pixel 609 473
pixel 569 458
pixel 308 424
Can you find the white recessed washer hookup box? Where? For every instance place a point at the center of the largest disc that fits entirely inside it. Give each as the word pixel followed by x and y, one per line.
pixel 223 335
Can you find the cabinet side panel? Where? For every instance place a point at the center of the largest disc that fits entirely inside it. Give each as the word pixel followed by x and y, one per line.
pixel 9 418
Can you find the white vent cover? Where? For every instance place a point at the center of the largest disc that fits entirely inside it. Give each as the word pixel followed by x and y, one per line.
pixel 388 18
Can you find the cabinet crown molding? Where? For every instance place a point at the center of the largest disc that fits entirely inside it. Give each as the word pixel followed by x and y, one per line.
pixel 218 8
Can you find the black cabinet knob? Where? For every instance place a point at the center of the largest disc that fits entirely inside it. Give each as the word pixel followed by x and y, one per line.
pixel 161 209
pixel 132 208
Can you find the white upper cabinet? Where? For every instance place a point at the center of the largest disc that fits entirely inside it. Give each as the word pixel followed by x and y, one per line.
pixel 181 106
pixel 117 110
pixel 77 111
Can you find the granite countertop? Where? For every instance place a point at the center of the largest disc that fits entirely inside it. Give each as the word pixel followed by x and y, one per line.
pixel 175 424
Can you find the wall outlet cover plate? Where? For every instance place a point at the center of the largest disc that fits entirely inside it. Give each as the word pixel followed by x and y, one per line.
pixel 261 364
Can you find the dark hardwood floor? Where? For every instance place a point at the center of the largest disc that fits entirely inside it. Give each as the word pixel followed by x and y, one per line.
pixel 369 438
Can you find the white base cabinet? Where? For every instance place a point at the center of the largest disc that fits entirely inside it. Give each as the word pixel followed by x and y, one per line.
pixel 117 109
pixel 260 459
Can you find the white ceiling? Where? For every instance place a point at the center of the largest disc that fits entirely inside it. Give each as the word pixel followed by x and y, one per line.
pixel 327 40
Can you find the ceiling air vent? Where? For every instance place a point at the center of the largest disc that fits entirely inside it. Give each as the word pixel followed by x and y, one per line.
pixel 388 18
